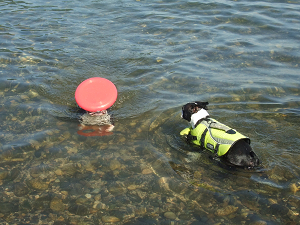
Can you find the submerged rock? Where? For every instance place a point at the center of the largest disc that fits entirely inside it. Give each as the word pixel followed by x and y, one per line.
pixel 114 164
pixel 20 189
pixel 259 222
pixel 116 189
pixel 147 171
pixel 170 215
pixel 110 219
pixel 38 184
pixel 294 188
pixel 6 207
pixel 56 204
pixel 80 210
pixel 3 175
pixel 277 209
pixel 226 210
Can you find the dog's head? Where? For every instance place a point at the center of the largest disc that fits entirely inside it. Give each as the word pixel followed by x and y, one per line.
pixel 242 155
pixel 190 108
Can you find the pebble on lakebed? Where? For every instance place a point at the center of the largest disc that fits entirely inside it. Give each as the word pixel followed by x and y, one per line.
pixel 227 210
pixel 110 219
pixel 294 188
pixel 57 204
pixel 170 215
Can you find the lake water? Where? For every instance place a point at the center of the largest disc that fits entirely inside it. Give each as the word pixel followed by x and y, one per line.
pixel 241 56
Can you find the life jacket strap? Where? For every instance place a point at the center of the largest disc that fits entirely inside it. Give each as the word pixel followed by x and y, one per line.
pixel 202 139
pixel 190 137
pixel 217 147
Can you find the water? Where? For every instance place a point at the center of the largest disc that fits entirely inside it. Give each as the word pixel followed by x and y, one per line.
pixel 241 56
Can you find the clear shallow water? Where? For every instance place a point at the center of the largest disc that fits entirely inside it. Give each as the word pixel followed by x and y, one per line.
pixel 241 56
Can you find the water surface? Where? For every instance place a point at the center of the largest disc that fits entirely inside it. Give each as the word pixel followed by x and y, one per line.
pixel 241 56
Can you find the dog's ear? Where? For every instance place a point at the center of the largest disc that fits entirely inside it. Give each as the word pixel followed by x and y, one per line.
pixel 202 105
pixel 187 111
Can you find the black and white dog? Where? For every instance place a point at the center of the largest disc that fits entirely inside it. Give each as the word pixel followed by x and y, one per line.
pixel 238 153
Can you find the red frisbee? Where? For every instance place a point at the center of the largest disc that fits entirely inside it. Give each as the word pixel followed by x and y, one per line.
pixel 96 94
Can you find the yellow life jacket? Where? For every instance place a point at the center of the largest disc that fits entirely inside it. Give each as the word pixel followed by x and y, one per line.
pixel 214 136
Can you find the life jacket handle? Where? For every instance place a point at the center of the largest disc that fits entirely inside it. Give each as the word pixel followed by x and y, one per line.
pixel 219 126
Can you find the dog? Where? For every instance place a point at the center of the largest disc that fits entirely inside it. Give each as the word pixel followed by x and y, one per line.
pixel 232 147
pixel 99 123
pixel 95 123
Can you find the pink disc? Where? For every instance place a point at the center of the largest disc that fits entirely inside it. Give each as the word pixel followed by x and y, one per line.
pixel 96 94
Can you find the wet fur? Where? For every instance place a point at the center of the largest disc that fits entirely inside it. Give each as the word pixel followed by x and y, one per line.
pixel 240 154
